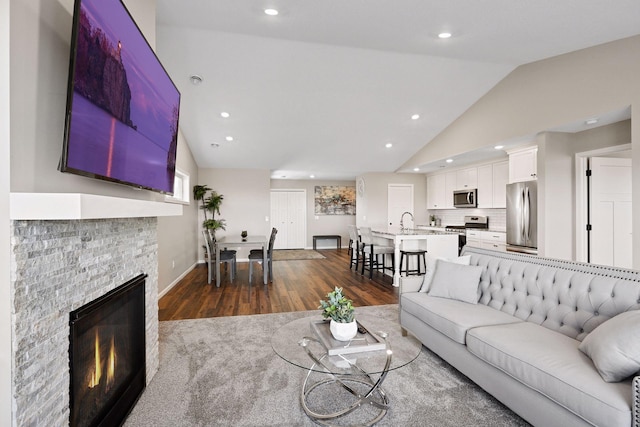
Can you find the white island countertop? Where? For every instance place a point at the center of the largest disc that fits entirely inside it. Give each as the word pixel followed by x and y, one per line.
pixel 396 231
pixel 438 243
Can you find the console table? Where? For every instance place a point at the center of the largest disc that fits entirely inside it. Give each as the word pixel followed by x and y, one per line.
pixel 335 237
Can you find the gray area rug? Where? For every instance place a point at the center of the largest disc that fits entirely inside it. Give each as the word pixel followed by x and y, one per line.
pixel 223 372
pixel 296 254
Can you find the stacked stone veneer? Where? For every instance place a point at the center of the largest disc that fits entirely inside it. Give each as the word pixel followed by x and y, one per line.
pixel 57 267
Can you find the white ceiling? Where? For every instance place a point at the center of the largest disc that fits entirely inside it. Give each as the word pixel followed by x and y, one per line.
pixel 322 87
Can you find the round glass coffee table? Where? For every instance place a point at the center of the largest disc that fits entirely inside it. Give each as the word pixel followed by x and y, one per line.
pixel 343 377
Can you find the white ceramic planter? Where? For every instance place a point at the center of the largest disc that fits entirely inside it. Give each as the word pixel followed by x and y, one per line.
pixel 343 331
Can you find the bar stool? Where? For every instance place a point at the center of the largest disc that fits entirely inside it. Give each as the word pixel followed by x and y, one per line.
pixel 419 254
pixel 371 251
pixel 355 246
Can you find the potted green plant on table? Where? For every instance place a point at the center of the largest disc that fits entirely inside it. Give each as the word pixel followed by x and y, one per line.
pixel 340 310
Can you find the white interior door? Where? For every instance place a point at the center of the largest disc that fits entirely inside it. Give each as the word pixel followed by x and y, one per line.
pixel 279 217
pixel 610 209
pixel 297 212
pixel 288 215
pixel 399 200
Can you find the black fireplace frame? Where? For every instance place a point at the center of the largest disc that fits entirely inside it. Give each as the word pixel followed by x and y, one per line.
pixel 119 408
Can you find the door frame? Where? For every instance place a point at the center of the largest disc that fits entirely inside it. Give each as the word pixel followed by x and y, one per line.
pixel 581 196
pixel 304 206
pixel 407 185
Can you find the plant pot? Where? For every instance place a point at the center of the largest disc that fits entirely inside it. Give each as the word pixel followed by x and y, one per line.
pixel 343 331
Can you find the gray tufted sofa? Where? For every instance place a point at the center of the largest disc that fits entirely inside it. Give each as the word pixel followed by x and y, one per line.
pixel 520 342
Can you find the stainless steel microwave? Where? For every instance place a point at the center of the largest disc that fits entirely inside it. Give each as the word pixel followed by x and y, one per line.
pixel 465 198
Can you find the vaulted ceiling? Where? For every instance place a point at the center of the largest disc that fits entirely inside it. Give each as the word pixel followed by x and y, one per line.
pixel 323 87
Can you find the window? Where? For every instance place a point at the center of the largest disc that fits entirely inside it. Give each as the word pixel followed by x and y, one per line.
pixel 181 189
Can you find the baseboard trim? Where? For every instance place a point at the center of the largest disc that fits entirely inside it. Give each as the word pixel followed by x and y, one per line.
pixel 175 282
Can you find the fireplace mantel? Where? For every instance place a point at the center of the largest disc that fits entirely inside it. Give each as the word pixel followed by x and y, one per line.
pixel 68 206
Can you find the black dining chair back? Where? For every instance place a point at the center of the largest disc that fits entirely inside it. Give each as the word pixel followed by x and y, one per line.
pixel 227 257
pixel 258 256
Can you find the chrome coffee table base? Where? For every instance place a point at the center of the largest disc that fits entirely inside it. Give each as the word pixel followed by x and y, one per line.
pixel 374 396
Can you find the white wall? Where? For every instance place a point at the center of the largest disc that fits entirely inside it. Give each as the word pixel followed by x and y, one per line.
pixel 556 176
pixel 323 224
pixel 5 297
pixel 246 202
pixel 178 236
pixel 372 208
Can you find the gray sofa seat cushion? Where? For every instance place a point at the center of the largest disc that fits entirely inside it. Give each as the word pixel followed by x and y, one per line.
pixel 550 363
pixel 450 317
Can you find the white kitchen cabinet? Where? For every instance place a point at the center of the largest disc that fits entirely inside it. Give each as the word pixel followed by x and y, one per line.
pixel 500 181
pixel 490 180
pixel 436 191
pixel 523 164
pixel 485 186
pixel 449 188
pixel 494 240
pixel 473 238
pixel 467 179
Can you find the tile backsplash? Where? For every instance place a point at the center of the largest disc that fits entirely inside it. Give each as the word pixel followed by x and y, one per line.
pixel 497 217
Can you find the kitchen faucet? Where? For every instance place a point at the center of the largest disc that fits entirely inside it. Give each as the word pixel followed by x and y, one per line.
pixel 402 219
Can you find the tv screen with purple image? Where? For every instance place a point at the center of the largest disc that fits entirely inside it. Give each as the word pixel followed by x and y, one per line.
pixel 122 107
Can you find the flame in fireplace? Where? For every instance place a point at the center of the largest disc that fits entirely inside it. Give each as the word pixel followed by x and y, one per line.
pixel 97 372
pixel 111 364
pixel 96 375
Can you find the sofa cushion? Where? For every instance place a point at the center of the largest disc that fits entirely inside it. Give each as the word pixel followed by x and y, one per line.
pixel 450 317
pixel 430 268
pixel 550 363
pixel 614 346
pixel 456 281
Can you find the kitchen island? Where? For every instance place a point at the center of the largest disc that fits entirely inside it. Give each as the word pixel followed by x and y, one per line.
pixel 436 243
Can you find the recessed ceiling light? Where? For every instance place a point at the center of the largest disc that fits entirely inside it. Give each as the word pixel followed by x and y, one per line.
pixel 416 169
pixel 591 121
pixel 444 35
pixel 415 117
pixel 229 138
pixel 499 147
pixel 388 145
pixel 195 79
pixel 312 176
pixel 224 114
pixel 271 12
pixel 449 160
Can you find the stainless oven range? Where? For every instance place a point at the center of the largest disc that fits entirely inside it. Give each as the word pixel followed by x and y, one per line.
pixel 470 221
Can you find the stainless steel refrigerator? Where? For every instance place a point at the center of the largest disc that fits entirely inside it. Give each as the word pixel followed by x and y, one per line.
pixel 522 217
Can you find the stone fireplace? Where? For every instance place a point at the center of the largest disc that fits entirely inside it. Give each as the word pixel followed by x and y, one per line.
pixel 58 266
pixel 107 356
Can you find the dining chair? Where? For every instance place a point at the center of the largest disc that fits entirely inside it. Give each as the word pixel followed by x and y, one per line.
pixel 273 233
pixel 226 256
pixel 372 251
pixel 258 256
pixel 355 246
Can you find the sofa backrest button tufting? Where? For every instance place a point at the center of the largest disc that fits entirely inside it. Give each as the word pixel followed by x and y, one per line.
pixel 595 313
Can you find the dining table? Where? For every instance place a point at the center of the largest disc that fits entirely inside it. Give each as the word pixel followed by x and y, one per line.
pixel 256 241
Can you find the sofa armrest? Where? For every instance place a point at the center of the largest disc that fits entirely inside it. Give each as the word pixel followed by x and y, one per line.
pixel 635 402
pixel 410 283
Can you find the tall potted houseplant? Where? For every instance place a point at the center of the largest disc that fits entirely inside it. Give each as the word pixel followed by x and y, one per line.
pixel 340 310
pixel 210 201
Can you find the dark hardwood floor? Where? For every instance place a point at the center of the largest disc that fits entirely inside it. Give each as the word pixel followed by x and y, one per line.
pixel 297 285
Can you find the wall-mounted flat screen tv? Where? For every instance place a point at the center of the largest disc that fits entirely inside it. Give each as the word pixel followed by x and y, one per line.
pixel 122 106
